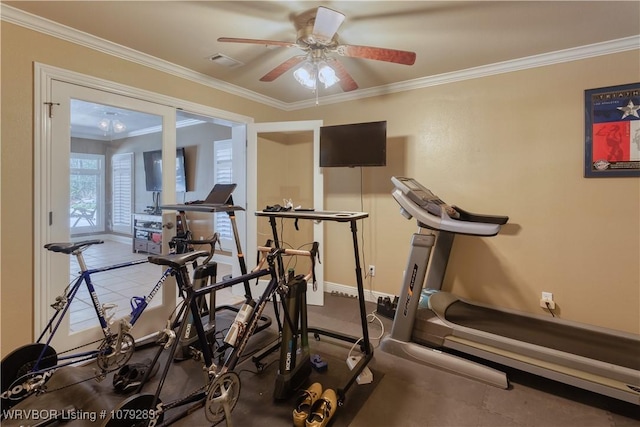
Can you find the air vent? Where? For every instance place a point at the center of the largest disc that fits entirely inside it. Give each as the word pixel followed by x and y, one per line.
pixel 225 61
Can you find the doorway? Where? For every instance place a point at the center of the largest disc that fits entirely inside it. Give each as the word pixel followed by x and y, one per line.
pixel 273 181
pixel 83 193
pixel 51 212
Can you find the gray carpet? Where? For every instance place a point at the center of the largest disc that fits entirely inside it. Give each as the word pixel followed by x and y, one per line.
pixel 256 405
pixel 405 394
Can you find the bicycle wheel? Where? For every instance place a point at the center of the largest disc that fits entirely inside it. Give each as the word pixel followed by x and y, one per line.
pixel 222 397
pixel 135 411
pixel 16 371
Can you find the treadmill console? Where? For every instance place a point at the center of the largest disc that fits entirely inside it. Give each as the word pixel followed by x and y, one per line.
pixel 430 211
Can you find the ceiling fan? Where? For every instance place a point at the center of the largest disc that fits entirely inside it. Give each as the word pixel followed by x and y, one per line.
pixel 317 37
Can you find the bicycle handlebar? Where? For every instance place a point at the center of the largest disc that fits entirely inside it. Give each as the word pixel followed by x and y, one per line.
pixel 211 242
pixel 312 254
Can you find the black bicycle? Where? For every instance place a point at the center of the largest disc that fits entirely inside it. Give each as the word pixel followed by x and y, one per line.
pixel 221 389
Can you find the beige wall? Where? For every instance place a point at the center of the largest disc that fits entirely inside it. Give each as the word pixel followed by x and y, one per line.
pixel 510 144
pixel 285 171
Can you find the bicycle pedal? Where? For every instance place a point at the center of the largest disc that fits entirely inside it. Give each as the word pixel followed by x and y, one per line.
pixel 195 354
pixel 100 376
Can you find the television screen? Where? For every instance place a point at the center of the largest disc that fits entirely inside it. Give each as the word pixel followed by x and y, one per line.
pixel 358 144
pixel 153 170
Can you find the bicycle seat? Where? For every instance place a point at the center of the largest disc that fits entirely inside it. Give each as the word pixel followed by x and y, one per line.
pixel 71 247
pixel 176 260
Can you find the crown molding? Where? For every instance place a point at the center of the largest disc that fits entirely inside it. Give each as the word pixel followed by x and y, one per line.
pixel 54 29
pixel 542 60
pixel 45 26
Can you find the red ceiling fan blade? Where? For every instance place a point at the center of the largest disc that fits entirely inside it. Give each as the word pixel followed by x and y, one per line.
pixel 346 81
pixel 378 54
pixel 282 68
pixel 326 24
pixel 257 41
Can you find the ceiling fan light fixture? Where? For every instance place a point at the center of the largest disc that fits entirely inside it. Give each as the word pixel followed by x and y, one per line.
pixel 115 126
pixel 118 126
pixel 306 75
pixel 327 75
pixel 104 125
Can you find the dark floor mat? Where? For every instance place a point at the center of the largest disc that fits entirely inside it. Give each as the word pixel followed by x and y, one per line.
pixel 256 406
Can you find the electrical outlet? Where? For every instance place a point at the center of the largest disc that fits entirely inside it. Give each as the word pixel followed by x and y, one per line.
pixel 546 301
pixel 372 270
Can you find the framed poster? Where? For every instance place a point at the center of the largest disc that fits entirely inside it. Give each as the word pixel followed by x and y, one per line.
pixel 612 131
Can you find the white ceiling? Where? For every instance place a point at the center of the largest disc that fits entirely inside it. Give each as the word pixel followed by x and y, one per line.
pixel 448 36
pixel 86 117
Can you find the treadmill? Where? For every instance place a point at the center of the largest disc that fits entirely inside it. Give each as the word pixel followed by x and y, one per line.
pixel 428 320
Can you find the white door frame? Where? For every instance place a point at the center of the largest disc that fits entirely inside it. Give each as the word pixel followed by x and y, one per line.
pixel 44 75
pixel 317 297
pixel 57 212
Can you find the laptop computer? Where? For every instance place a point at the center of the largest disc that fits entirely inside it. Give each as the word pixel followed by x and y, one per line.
pixel 220 194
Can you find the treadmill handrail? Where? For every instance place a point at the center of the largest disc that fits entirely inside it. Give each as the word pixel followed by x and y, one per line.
pixel 420 203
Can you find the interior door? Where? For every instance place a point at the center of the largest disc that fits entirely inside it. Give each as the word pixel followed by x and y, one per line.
pixel 58 216
pixel 277 180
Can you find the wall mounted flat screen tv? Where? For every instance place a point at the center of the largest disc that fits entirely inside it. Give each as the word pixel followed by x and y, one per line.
pixel 153 170
pixel 351 145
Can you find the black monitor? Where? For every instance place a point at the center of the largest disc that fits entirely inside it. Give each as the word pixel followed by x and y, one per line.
pixel 357 144
pixel 153 170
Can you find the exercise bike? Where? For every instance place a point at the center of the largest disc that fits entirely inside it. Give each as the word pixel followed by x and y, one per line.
pixel 596 359
pixel 26 370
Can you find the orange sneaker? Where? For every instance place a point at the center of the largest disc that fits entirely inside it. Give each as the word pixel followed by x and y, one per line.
pixel 304 402
pixel 323 409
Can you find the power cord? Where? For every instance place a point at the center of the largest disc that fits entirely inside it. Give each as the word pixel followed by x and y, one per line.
pixel 549 308
pixel 371 317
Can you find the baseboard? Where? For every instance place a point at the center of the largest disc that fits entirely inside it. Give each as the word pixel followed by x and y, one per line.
pixel 117 238
pixel 106 236
pixel 331 288
pixel 351 291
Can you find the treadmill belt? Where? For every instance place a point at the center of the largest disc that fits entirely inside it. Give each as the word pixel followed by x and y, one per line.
pixel 591 344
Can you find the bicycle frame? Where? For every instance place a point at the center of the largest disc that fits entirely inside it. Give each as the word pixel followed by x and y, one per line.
pixel 276 272
pixel 138 305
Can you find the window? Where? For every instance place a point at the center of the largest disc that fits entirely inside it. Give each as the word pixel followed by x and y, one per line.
pixel 86 184
pixel 223 163
pixel 122 192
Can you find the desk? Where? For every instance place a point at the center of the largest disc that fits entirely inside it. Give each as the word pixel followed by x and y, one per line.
pixel 335 216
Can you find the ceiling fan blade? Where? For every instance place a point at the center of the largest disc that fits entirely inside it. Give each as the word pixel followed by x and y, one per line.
pixel 326 24
pixel 346 81
pixel 378 54
pixel 282 68
pixel 257 41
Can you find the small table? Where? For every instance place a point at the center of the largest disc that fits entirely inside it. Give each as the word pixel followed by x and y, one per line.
pixel 214 208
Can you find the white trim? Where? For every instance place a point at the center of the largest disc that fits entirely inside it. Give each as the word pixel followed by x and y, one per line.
pixel 36 23
pixel 369 295
pixel 318 184
pixel 44 75
pixel 51 28
pixel 41 130
pixel 55 73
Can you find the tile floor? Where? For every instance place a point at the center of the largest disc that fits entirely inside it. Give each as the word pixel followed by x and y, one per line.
pixel 120 285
